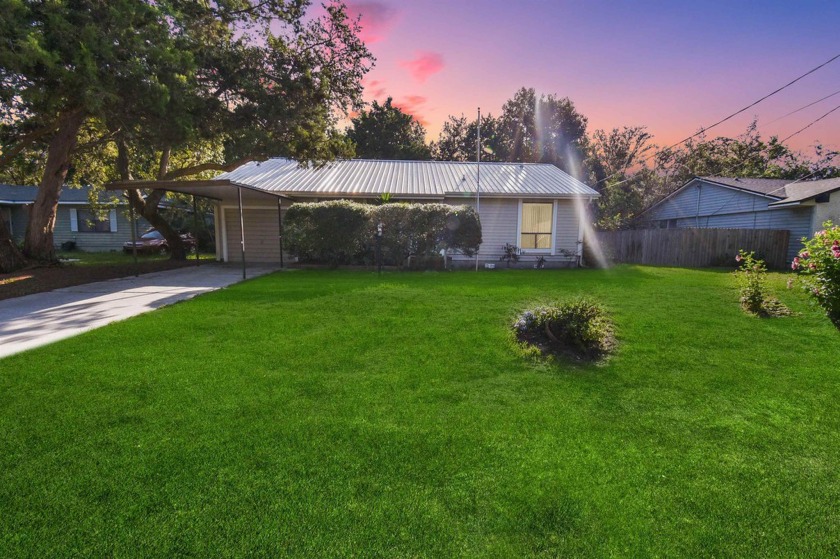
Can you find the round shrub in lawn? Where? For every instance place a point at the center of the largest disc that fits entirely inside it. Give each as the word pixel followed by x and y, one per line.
pixel 579 329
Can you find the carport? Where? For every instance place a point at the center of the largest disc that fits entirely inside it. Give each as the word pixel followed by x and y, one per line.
pixel 225 195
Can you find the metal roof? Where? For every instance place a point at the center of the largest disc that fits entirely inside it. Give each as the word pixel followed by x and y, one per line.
pixel 20 194
pixel 767 187
pixel 407 179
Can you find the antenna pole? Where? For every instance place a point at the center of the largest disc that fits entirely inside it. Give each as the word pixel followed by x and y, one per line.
pixel 478 177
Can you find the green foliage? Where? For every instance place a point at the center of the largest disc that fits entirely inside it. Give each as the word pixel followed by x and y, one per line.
pixel 819 265
pixel 752 278
pixel 458 140
pixel 511 254
pixel 580 327
pixel 332 232
pixel 386 132
pixel 343 232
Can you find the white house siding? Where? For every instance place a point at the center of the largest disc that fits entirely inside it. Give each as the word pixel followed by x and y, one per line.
pixel 262 243
pixel 826 211
pixel 500 225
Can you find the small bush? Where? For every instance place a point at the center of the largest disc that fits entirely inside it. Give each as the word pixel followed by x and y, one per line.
pixel 330 232
pixel 68 246
pixel 751 275
pixel 579 329
pixel 819 264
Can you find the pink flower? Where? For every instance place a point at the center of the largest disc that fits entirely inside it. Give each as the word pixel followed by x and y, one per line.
pixel 738 258
pixel 812 266
pixel 795 264
pixel 804 254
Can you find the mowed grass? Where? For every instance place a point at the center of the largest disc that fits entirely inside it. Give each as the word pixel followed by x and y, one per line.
pixel 337 414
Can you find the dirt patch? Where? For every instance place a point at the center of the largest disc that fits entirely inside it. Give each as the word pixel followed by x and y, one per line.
pixel 46 278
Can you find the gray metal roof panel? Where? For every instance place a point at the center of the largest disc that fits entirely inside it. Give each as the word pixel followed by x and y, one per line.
pixel 408 178
pixel 767 187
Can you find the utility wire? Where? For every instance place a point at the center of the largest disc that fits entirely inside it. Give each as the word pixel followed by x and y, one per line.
pixel 736 113
pixel 810 124
pixel 803 108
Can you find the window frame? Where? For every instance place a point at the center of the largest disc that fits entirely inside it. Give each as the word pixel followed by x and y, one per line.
pixel 553 234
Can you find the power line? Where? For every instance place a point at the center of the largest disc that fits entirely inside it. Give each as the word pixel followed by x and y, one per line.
pixel 803 108
pixel 810 124
pixel 736 113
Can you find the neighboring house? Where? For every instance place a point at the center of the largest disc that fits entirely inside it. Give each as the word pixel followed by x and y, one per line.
pixel 92 230
pixel 748 203
pixel 536 207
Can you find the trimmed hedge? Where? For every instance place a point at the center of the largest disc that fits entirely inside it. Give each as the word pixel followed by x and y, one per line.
pixel 344 232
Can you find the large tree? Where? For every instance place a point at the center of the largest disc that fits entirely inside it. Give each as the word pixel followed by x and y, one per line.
pixel 459 137
pixel 159 77
pixel 621 175
pixel 386 132
pixel 544 129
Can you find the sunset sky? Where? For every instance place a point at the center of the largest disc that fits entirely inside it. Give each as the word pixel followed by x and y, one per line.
pixel 672 66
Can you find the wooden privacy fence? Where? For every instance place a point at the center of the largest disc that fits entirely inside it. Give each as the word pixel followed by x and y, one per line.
pixel 694 248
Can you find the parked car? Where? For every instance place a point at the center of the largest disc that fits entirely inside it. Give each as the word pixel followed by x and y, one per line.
pixel 153 241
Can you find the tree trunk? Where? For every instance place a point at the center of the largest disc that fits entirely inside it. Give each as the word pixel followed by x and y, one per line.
pixel 38 242
pixel 148 208
pixel 10 257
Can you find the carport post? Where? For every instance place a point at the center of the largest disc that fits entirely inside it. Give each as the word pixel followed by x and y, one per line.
pixel 241 229
pixel 133 236
pixel 195 228
pixel 280 226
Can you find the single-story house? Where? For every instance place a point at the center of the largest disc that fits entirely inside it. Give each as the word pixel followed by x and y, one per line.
pixel 750 203
pixel 76 220
pixel 537 207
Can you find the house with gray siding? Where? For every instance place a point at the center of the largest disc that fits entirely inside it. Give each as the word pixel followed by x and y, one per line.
pixel 750 203
pixel 537 207
pixel 100 229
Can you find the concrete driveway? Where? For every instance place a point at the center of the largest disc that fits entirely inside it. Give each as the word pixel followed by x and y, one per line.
pixel 43 318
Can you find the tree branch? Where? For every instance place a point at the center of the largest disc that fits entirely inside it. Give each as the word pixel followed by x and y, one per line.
pixel 27 140
pixel 196 169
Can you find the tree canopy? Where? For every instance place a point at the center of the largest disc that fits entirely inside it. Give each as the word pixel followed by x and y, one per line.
pixel 155 82
pixel 386 132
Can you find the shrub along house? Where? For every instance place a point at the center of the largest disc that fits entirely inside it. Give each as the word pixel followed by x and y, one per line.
pixel 748 203
pixel 536 207
pixel 91 229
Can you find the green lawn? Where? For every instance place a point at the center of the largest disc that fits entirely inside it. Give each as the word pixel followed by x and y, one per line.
pixel 335 414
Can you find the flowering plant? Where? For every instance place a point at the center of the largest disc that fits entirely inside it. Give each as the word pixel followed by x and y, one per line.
pixel 751 273
pixel 819 264
pixel 751 276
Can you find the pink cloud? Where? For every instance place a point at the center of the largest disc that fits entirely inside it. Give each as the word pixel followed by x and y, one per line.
pixel 376 19
pixel 373 88
pixel 424 65
pixel 412 104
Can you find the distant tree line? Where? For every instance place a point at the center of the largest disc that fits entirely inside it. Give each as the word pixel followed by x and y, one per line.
pixel 623 164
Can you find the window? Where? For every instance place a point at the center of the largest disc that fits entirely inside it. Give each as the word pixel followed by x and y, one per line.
pixel 90 221
pixel 536 225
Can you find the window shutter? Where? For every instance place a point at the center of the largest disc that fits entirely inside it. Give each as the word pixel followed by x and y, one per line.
pixel 74 220
pixel 112 218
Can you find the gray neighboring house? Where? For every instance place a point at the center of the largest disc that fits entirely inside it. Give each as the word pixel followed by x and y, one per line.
pixel 747 203
pixel 76 220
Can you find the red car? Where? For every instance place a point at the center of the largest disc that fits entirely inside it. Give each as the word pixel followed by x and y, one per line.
pixel 153 241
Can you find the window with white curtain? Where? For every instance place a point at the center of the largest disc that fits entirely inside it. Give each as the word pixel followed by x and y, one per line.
pixel 537 227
